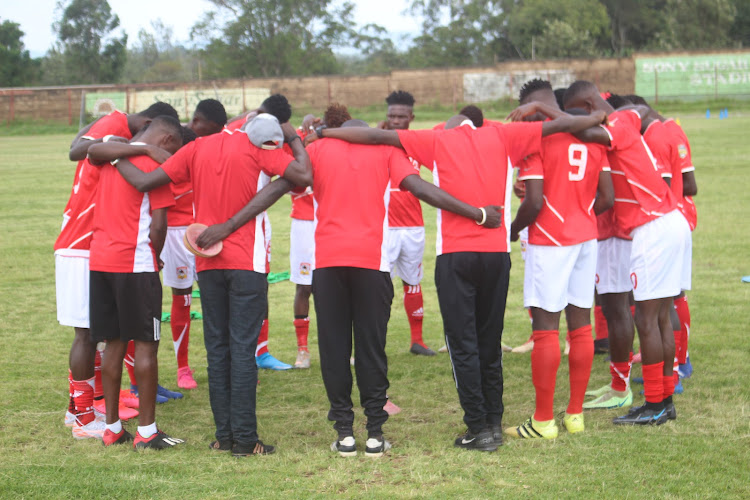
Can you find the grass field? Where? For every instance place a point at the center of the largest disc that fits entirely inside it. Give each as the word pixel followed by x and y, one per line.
pixel 705 453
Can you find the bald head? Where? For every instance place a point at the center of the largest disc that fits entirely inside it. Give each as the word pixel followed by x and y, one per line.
pixel 584 94
pixel 354 123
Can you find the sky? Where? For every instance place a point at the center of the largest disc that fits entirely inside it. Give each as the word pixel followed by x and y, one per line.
pixel 36 17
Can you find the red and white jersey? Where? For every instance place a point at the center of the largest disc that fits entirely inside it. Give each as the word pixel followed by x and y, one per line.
pixel 75 236
pixel 475 166
pixel 570 171
pixel 641 195
pixel 404 209
pixel 226 171
pixel 121 241
pixel 183 213
pixel 686 205
pixel 236 124
pixel 351 193
pixel 302 200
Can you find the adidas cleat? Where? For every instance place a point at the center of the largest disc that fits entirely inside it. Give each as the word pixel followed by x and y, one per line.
pixel 610 400
pixel 573 423
pixel 531 429
pixel 642 415
pixel 157 441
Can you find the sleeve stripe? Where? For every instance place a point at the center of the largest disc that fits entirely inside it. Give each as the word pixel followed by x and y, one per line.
pixel 527 177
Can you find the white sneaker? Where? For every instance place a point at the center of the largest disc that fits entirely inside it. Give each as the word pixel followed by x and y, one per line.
pixel 70 419
pixel 376 447
pixel 94 429
pixel 303 359
pixel 443 349
pixel 346 447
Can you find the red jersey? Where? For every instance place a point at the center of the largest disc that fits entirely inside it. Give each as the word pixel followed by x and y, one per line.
pixel 404 209
pixel 475 166
pixel 641 195
pixel 570 171
pixel 302 200
pixel 236 124
pixel 226 171
pixel 685 203
pixel 352 190
pixel 121 241
pixel 75 236
pixel 183 213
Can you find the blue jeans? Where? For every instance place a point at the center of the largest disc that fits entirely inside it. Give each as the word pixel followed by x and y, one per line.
pixel 234 305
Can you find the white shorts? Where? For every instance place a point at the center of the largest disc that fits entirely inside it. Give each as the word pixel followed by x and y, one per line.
pixel 523 239
pixel 557 276
pixel 179 264
pixel 72 290
pixel 613 266
pixel 301 251
pixel 405 252
pixel 687 264
pixel 661 252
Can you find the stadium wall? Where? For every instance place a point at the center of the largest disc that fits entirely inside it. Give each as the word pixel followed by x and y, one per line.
pixel 444 86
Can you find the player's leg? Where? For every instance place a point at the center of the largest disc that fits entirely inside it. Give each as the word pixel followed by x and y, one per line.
pixel 333 311
pixel 457 276
pixel 301 256
pixel 683 313
pixel 601 341
pixel 263 358
pixel 302 324
pixel 372 295
pixel 409 267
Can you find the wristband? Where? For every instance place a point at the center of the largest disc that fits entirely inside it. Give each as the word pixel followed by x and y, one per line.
pixel 484 217
pixel 295 137
pixel 319 131
pixel 107 137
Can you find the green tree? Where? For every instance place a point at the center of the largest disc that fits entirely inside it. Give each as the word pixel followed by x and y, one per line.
pixel 697 24
pixel 635 24
pixel 740 30
pixel 274 37
pixel 560 39
pixel 16 66
pixel 155 57
pixel 91 50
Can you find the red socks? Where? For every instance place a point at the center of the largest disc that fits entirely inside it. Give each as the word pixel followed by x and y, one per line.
pixel 262 339
pixel 683 312
pixel 301 328
pixel 130 362
pixel 83 399
pixel 600 324
pixel 580 359
pixel 621 374
pixel 180 322
pixel 71 390
pixel 545 359
pixel 98 389
pixel 413 305
pixel 654 382
pixel 676 365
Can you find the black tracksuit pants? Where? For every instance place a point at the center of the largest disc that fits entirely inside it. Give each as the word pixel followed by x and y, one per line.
pixel 353 299
pixel 472 290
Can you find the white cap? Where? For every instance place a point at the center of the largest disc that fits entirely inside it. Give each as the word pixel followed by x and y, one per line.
pixel 265 132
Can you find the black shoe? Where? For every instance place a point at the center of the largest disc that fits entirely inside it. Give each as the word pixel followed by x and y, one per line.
pixel 497 434
pixel 375 447
pixel 421 350
pixel 642 416
pixel 221 445
pixel 158 441
pixel 346 446
pixel 601 346
pixel 256 448
pixel 482 441
pixel 671 411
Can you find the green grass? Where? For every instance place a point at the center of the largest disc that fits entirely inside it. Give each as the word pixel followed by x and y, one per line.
pixel 705 453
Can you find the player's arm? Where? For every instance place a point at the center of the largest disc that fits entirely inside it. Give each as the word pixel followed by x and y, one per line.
pixel 605 193
pixel 362 135
pixel 110 151
pixel 299 171
pixel 689 186
pixel 142 181
pixel 489 216
pixel 596 135
pixel 572 124
pixel 80 147
pixel 158 229
pixel 263 199
pixel 530 207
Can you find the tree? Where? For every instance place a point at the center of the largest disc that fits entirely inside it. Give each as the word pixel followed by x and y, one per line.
pixel 274 37
pixel 740 30
pixel 560 39
pixel 91 50
pixel 157 58
pixel 16 66
pixel 697 24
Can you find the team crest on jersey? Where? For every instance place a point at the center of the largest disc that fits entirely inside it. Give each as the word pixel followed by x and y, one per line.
pixel 304 269
pixel 634 280
pixel 182 272
pixel 682 150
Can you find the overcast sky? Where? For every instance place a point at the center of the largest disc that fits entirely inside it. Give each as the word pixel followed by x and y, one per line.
pixel 36 17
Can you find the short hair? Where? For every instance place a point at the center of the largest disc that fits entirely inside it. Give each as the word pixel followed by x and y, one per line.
pixel 278 106
pixel 213 110
pixel 188 135
pixel 617 101
pixel 636 99
pixel 400 97
pixel 160 109
pixel 354 123
pixel 335 115
pixel 168 124
pixel 559 93
pixel 576 88
pixel 474 114
pixel 532 86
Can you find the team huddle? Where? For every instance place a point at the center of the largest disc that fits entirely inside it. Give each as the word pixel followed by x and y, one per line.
pixel 606 212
